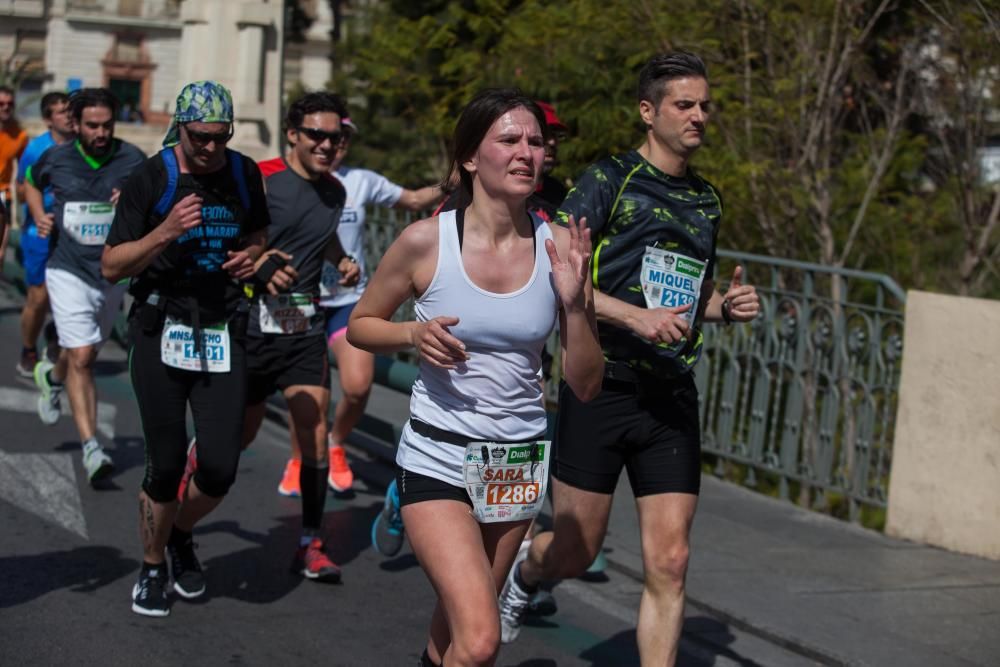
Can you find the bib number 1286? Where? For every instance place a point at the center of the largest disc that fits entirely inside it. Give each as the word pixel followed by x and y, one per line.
pixel 511 494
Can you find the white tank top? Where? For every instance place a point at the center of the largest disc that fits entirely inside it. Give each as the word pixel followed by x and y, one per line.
pixel 496 394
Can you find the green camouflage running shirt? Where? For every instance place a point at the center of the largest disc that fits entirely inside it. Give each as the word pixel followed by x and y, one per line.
pixel 630 204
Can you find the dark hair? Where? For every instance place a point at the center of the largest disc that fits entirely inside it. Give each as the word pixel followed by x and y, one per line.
pixel 478 117
pixel 7 89
pixel 85 98
pixel 49 100
pixel 310 103
pixel 664 68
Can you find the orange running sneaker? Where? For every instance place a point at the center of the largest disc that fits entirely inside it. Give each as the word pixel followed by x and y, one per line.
pixel 341 477
pixel 313 563
pixel 189 469
pixel 289 485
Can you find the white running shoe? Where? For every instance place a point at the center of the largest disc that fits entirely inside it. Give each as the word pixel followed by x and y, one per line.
pixel 49 405
pixel 96 462
pixel 514 602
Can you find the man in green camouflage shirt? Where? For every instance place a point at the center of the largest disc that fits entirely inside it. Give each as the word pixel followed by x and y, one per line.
pixel 654 222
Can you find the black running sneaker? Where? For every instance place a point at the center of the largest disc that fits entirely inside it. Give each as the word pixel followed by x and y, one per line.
pixel 149 595
pixel 189 582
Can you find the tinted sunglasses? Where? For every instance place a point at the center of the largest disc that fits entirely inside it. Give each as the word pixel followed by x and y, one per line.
pixel 319 136
pixel 206 137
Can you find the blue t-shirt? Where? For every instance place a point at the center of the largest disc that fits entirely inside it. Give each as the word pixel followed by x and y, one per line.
pixel 32 152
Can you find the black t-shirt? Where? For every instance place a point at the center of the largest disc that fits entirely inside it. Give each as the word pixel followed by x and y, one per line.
pixel 82 186
pixel 304 219
pixel 191 266
pixel 630 204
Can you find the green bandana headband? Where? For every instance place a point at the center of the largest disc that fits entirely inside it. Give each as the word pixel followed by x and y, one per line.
pixel 203 101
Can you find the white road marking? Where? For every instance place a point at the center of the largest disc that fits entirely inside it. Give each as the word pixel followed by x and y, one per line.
pixel 26 400
pixel 44 485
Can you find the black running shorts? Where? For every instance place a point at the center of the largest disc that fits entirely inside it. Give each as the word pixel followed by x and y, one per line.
pixel 279 362
pixel 416 488
pixel 650 429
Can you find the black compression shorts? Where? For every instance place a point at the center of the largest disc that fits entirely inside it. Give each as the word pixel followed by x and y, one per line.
pixel 651 430
pixel 416 488
pixel 279 362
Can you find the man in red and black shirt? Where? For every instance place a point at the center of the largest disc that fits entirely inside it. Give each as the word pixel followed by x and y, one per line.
pixel 286 337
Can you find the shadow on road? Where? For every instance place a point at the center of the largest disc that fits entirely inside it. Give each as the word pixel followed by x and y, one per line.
pixel 81 570
pixel 708 639
pixel 261 573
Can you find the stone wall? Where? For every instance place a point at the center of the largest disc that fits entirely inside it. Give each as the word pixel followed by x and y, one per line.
pixel 945 485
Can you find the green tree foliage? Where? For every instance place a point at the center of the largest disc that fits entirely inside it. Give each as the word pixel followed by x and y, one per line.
pixel 821 139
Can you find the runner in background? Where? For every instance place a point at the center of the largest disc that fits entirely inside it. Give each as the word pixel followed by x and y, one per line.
pixel 13 140
pixel 355 368
pixel 33 249
pixel 86 177
pixel 286 339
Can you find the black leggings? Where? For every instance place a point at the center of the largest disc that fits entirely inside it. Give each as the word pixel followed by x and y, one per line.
pixel 218 401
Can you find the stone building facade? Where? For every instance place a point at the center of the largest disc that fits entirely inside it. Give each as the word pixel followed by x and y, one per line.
pixel 145 50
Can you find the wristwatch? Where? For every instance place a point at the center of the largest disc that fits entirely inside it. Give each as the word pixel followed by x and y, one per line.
pixel 727 317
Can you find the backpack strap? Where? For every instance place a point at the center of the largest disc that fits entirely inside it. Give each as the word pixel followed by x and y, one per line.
pixel 167 198
pixel 236 164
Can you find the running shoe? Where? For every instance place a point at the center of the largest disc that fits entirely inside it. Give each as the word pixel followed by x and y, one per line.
pixel 26 365
pixel 313 563
pixel 514 602
pixel 49 403
pixel 96 462
pixel 341 477
pixel 387 529
pixel 149 595
pixel 596 570
pixel 543 603
pixel 189 581
pixel 289 484
pixel 189 467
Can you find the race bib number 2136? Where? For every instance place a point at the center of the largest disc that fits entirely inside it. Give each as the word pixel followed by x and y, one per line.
pixel 670 280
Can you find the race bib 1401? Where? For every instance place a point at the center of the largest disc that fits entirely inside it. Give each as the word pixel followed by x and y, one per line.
pixel 88 222
pixel 670 279
pixel 177 348
pixel 506 482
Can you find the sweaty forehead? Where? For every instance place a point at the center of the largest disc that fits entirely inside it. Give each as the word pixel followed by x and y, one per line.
pixel 516 120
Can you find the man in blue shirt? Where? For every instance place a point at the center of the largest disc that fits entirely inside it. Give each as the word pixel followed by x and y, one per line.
pixel 34 252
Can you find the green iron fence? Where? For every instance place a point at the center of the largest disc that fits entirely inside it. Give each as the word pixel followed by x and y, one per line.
pixel 800 403
pixel 804 398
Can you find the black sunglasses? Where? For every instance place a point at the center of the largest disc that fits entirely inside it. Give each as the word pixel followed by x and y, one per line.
pixel 206 137
pixel 319 136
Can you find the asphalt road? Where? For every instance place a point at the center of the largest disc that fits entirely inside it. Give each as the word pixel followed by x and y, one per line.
pixel 69 555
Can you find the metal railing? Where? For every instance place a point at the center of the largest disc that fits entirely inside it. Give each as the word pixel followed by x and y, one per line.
pixel 802 402
pixel 804 398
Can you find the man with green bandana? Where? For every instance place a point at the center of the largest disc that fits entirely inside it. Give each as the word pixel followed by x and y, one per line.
pixel 654 223
pixel 86 177
pixel 189 227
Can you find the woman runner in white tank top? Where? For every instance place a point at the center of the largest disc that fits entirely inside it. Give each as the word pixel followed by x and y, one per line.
pixel 488 283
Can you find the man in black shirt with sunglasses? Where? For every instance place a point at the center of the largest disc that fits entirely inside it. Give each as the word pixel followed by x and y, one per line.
pixel 287 336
